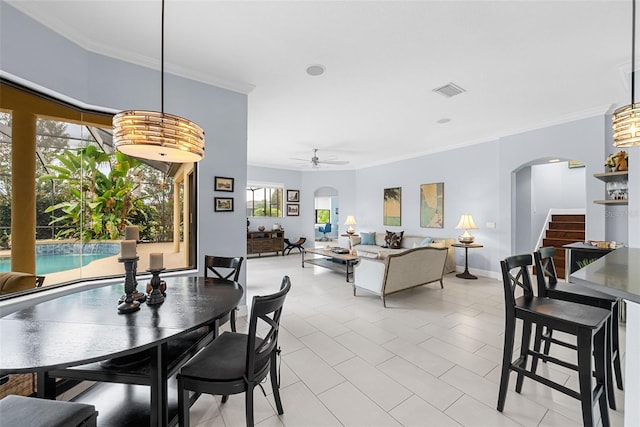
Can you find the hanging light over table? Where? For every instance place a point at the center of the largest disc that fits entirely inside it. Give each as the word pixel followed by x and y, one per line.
pixel 626 120
pixel 157 135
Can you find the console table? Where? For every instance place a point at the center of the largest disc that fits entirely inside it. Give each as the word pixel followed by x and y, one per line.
pixel 259 242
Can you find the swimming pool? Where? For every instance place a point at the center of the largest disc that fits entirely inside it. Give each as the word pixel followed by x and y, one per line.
pixel 55 257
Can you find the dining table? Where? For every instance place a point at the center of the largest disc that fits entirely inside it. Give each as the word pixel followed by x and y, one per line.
pixel 82 336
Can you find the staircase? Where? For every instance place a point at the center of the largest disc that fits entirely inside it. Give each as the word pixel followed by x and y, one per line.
pixel 562 230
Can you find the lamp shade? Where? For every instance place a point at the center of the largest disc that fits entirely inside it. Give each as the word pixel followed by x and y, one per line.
pixel 466 222
pixel 626 126
pixel 158 136
pixel 351 220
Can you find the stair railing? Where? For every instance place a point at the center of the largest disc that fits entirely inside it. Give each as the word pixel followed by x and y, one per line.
pixel 555 211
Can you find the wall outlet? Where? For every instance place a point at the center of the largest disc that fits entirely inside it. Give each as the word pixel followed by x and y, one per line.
pixel 490 225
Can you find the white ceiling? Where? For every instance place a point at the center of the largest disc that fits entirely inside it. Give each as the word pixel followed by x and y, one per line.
pixel 524 65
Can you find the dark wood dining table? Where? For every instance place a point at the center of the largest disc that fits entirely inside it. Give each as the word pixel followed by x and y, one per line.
pixel 82 336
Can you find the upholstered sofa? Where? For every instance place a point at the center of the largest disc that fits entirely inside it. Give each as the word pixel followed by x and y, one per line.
pixel 14 281
pixel 378 250
pixel 400 271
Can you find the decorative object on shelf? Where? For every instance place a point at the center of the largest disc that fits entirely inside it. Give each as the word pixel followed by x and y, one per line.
pixel 617 162
pixel 223 204
pixel 293 196
pixel 223 184
pixel 248 224
pixel 128 303
pixel 293 210
pixel 276 227
pixel 626 119
pixel 156 135
pixel 466 223
pixel 351 220
pixel 618 190
pixel 391 207
pixel 261 228
pixel 432 205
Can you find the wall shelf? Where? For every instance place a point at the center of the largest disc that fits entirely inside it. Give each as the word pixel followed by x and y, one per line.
pixel 612 177
pixel 611 202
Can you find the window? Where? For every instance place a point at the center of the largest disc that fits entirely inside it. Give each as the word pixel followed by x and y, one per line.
pixel 323 216
pixel 264 200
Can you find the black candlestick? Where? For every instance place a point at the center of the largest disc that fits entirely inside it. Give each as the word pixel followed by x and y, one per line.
pixel 157 294
pixel 129 304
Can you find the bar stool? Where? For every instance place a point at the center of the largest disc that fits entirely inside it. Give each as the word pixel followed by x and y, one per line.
pixel 587 324
pixel 549 286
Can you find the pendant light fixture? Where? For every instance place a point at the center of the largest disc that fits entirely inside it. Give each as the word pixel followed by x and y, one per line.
pixel 157 135
pixel 626 120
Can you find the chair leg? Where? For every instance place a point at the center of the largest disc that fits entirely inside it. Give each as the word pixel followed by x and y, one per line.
pixel 275 383
pixel 537 342
pixel 547 344
pixel 608 352
pixel 616 344
pixel 524 352
pixel 233 319
pixel 602 372
pixel 507 354
pixel 183 405
pixel 585 372
pixel 225 398
pixel 249 404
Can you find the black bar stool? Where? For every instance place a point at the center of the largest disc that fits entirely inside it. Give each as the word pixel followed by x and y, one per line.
pixel 587 324
pixel 549 286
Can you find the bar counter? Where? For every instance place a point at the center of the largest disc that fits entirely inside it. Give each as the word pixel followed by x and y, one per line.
pixel 618 274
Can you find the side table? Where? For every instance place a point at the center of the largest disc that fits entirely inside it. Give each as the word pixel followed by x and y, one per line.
pixel 465 274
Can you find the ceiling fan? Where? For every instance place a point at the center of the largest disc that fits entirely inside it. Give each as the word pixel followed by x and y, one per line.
pixel 316 162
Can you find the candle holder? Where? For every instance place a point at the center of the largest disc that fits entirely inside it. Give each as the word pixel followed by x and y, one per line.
pixel 156 288
pixel 137 295
pixel 127 303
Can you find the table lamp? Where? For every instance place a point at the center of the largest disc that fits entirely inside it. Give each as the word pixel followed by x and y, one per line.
pixel 351 220
pixel 466 223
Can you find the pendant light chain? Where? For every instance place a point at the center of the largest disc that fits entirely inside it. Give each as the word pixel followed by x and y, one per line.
pixel 633 52
pixel 162 61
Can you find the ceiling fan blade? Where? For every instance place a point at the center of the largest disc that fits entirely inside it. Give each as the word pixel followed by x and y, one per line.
pixel 334 162
pixel 301 160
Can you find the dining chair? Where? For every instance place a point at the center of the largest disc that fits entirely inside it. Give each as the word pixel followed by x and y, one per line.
pixel 587 324
pixel 227 268
pixel 235 362
pixel 549 286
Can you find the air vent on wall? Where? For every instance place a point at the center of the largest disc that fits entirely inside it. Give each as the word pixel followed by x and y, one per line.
pixel 449 90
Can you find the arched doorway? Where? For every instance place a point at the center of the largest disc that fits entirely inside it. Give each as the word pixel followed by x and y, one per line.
pixel 326 211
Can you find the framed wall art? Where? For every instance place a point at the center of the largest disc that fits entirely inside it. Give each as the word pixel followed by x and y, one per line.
pixel 391 207
pixel 432 205
pixel 223 204
pixel 223 184
pixel 293 210
pixel 293 196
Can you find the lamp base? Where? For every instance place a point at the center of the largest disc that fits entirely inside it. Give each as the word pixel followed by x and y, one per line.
pixel 466 239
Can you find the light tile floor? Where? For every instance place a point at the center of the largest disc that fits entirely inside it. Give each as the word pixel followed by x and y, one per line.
pixel 431 358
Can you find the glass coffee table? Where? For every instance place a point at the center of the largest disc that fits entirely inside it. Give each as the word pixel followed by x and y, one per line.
pixel 337 259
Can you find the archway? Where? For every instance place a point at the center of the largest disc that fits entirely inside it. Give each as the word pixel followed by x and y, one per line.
pixel 326 211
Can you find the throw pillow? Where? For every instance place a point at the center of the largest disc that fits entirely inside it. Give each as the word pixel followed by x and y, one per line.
pixel 426 241
pixel 395 240
pixel 368 238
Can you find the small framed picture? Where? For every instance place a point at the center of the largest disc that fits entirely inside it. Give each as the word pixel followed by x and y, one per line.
pixel 223 184
pixel 223 204
pixel 293 196
pixel 293 210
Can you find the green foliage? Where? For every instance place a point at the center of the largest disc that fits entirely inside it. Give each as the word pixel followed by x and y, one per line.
pixel 99 196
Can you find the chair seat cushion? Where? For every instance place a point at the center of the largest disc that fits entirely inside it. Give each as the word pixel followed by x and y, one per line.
pixel 223 359
pixel 562 315
pixel 34 412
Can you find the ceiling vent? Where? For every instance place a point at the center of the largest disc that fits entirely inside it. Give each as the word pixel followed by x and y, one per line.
pixel 449 90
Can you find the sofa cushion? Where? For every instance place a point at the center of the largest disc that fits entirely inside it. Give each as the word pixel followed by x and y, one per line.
pixel 367 238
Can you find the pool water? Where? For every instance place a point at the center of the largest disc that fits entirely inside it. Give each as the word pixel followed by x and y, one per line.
pixel 46 264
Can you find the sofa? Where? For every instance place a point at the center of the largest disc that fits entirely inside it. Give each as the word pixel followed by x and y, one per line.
pixel 381 250
pixel 400 270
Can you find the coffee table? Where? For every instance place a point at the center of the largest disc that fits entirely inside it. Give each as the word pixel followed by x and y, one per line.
pixel 331 260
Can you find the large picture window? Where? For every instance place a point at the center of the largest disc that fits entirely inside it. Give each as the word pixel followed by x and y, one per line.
pixel 86 194
pixel 264 200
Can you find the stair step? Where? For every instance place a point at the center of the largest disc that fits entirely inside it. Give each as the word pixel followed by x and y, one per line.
pixel 568 234
pixel 568 218
pixel 566 225
pixel 557 243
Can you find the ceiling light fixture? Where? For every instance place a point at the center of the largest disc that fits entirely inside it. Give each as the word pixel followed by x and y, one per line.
pixel 157 135
pixel 626 120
